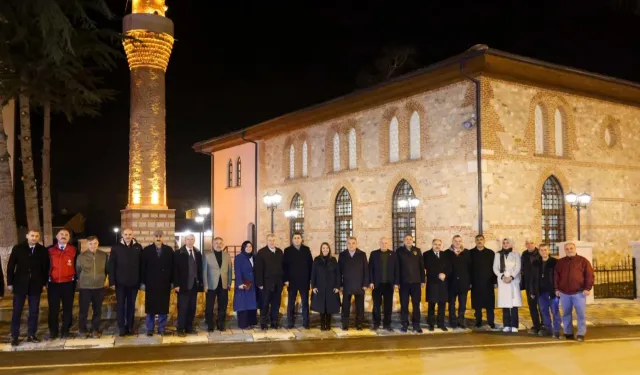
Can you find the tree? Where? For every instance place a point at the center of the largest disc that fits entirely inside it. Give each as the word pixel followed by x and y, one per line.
pixel 394 61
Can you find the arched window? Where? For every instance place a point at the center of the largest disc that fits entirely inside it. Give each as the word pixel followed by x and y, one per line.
pixel 414 136
pixel 336 152
pixel 230 174
pixel 403 214
pixel 344 220
pixel 292 162
pixel 238 172
pixel 394 146
pixel 305 159
pixel 553 219
pixel 297 223
pixel 559 123
pixel 353 156
pixel 539 130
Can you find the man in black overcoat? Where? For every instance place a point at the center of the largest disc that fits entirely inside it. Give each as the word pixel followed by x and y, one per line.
pixel 156 277
pixel 355 280
pixel 412 281
pixel 459 281
pixel 296 265
pixel 384 277
pixel 269 275
pixel 438 267
pixel 483 282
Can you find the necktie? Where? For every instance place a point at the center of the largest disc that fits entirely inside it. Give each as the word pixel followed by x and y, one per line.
pixel 62 248
pixel 190 253
pixel 438 254
pixel 32 250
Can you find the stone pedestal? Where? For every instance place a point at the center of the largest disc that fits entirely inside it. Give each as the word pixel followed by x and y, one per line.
pixel 635 253
pixel 144 222
pixel 584 249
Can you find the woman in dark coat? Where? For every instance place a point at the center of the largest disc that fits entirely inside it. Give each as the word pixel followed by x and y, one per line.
pixel 244 300
pixel 325 283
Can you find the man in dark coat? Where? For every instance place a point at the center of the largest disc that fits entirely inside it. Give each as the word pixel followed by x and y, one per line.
pixel 459 281
pixel 296 265
pixel 124 277
pixel 187 272
pixel 541 285
pixel 438 267
pixel 269 279
pixel 483 282
pixel 27 274
pixel 412 281
pixel 530 257
pixel 156 277
pixel 355 280
pixel 384 276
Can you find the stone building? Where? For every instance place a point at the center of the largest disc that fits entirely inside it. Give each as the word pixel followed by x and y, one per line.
pixel 351 165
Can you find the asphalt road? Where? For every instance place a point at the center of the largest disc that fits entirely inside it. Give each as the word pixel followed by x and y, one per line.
pixel 608 350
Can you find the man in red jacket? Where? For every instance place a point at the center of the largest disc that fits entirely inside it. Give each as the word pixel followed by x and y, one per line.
pixel 62 273
pixel 573 281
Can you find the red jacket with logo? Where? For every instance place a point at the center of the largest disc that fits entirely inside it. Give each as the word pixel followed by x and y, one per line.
pixel 63 264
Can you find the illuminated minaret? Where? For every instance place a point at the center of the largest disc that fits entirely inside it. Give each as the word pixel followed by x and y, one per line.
pixel 148 44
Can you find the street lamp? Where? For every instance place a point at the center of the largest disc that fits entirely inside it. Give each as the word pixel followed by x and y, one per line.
pixel 579 202
pixel 272 201
pixel 291 215
pixel 200 220
pixel 203 211
pixel 116 230
pixel 408 202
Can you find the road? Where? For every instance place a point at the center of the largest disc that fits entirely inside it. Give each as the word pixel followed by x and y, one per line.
pixel 610 350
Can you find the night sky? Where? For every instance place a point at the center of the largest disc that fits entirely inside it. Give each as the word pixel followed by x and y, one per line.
pixel 237 65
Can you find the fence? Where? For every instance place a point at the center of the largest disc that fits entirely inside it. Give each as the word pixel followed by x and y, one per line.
pixel 616 281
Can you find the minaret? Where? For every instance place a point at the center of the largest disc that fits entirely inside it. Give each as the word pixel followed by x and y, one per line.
pixel 148 43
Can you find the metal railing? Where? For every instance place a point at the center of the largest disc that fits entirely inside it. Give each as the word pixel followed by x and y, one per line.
pixel 615 281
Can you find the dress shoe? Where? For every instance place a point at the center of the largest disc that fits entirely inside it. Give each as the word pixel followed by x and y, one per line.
pixel 15 341
pixel 376 327
pixel 53 336
pixel 569 337
pixel 305 326
pixel 345 328
pixel 388 328
pixel 122 334
pixel 556 335
pixel 96 334
pixel 404 328
pixel 210 329
pixel 443 329
pixel 263 327
pixel 478 324
pixel 33 338
pixel 417 329
pixel 492 325
pixel 462 325
pixel 358 328
pixel 580 338
pixel 64 335
pixel 181 333
pixel 290 326
pixel 274 326
pixel 430 328
pixel 150 334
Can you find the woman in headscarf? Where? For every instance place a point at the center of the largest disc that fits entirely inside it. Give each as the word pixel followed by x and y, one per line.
pixel 325 283
pixel 506 266
pixel 244 301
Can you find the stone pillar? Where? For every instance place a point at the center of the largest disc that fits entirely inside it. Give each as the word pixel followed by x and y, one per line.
pixel 584 249
pixel 635 253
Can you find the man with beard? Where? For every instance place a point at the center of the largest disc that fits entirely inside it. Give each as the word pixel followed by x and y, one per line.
pixel 459 281
pixel 412 280
pixel 156 277
pixel 354 270
pixel 269 277
pixel 124 277
pixel 296 265
pixel 438 267
pixel 483 282
pixel 529 258
pixel 62 274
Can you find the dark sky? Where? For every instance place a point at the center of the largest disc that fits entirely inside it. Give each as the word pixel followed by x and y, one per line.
pixel 236 65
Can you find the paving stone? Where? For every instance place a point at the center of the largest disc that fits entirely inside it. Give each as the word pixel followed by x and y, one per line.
pixel 236 337
pixel 271 335
pixel 81 343
pixel 43 345
pixel 188 339
pixel 352 332
pixel 138 340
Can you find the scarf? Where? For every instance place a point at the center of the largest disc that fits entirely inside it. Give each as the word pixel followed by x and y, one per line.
pixel 504 253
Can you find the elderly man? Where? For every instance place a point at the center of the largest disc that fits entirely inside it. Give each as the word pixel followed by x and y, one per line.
pixel 188 282
pixel 530 257
pixel 62 274
pixel 438 267
pixel 573 281
pixel 412 280
pixel 156 277
pixel 269 276
pixel 355 280
pixel 124 277
pixel 217 272
pixel 384 276
pixel 459 281
pixel 296 265
pixel 91 268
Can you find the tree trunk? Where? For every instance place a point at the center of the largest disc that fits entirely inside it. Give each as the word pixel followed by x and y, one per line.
pixel 47 218
pixel 28 174
pixel 8 228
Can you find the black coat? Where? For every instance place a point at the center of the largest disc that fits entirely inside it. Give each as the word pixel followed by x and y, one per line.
pixel 536 276
pixel 411 265
pixel 296 266
pixel 325 276
pixel 528 258
pixel 181 270
pixel 156 273
pixel 124 264
pixel 268 268
pixel 437 290
pixel 28 273
pixel 354 271
pixel 461 267
pixel 483 279
pixel 375 268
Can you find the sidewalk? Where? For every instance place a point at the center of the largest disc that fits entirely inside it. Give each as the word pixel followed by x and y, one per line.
pixel 602 313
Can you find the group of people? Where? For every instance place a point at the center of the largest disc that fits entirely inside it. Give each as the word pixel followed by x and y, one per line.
pixel 325 284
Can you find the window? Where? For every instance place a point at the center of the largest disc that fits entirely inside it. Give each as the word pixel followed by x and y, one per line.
pixel 238 172
pixel 414 136
pixel 344 220
pixel 292 162
pixel 403 215
pixel 559 133
pixel 353 156
pixel 553 219
pixel 230 174
pixel 539 132
pixel 394 147
pixel 336 152
pixel 297 223
pixel 305 159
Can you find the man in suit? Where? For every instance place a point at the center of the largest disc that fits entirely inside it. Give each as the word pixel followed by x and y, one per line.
pixel 62 275
pixel 269 279
pixel 124 277
pixel 217 272
pixel 384 276
pixel 530 256
pixel 411 282
pixel 483 282
pixel 459 281
pixel 188 279
pixel 297 265
pixel 27 274
pixel 438 267
pixel 355 280
pixel 156 278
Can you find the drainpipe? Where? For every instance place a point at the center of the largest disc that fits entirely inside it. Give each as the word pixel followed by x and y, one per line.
pixel 255 234
pixel 478 142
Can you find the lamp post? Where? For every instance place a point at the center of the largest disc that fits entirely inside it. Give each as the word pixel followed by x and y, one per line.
pixel 203 212
pixel 116 230
pixel 272 201
pixel 200 220
pixel 579 202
